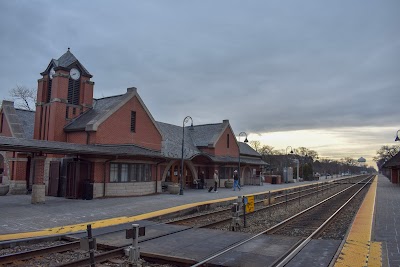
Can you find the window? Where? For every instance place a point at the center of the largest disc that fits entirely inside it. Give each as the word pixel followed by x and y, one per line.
pixel 49 90
pixel 73 91
pixel 124 173
pixel 130 172
pixel 113 172
pixel 133 121
pixel 227 140
pixel 67 112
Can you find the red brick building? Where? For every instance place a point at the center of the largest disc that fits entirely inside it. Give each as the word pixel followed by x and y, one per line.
pixel 391 169
pixel 75 146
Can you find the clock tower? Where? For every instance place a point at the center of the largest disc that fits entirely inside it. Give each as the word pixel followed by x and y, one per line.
pixel 64 92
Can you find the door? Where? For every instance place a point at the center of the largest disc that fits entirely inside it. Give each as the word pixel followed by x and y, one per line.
pixel 78 174
pixel 54 178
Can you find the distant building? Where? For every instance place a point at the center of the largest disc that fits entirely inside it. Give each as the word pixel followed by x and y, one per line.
pixel 391 169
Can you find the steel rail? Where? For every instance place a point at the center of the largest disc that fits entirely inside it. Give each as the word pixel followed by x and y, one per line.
pixel 98 258
pixel 264 232
pixel 38 252
pixel 296 194
pixel 308 239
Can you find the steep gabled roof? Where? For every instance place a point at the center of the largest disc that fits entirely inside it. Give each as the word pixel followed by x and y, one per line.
pixel 172 141
pixel 393 162
pixel 103 109
pixel 65 61
pixel 245 149
pixel 206 134
pixel 199 136
pixel 20 121
pixel 100 108
pixel 27 120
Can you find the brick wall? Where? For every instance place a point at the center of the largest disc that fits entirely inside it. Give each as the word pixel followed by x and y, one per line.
pixel 39 170
pixel 221 148
pixel 146 134
pixel 20 169
pixel 77 137
pixel 87 92
pixel 98 172
pixel 57 122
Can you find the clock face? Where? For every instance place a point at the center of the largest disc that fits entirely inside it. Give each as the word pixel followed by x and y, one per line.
pixel 74 73
pixel 51 73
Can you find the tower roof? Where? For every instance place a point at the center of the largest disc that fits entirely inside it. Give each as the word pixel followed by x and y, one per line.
pixel 66 61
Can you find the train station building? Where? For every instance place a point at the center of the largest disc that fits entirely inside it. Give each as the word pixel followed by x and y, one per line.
pixel 75 146
pixel 391 169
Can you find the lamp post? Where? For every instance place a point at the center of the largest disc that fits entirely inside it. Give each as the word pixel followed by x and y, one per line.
pixel 286 174
pixel 303 161
pixel 397 136
pixel 245 141
pixel 297 163
pixel 185 120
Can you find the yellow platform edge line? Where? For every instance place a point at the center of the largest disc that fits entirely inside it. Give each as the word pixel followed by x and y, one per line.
pixel 358 249
pixel 119 220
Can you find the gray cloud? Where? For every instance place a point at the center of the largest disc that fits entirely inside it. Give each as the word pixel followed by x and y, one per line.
pixel 266 66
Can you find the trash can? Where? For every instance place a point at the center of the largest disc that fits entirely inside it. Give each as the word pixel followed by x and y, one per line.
pixel 273 180
pixel 87 190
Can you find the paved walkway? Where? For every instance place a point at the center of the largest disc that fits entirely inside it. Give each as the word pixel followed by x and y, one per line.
pixel 387 219
pixel 19 215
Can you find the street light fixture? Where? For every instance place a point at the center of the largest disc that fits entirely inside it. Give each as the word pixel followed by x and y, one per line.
pixel 397 136
pixel 286 174
pixel 185 120
pixel 245 141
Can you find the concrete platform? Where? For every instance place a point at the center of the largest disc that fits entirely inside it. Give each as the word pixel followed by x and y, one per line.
pixel 21 219
pixel 316 253
pixel 197 244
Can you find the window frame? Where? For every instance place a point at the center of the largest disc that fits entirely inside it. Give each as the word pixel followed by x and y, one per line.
pixel 135 172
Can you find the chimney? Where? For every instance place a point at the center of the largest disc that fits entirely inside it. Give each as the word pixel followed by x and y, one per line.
pixel 131 90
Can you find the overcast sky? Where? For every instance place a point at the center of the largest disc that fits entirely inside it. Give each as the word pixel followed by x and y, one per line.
pixel 319 74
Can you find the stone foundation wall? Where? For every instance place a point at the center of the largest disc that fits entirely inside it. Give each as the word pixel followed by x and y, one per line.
pixel 129 189
pixel 98 190
pixel 17 187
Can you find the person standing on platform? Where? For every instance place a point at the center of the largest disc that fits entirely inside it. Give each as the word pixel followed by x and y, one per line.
pixel 216 180
pixel 201 176
pixel 236 181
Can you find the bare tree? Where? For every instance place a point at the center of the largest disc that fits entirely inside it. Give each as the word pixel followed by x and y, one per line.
pixel 26 97
pixel 386 152
pixel 302 151
pixel 256 145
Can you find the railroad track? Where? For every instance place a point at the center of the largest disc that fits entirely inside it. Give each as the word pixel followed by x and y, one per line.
pixel 280 198
pixel 210 219
pixel 300 245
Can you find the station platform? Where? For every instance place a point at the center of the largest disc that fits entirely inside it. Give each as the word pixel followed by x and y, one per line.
pixel 21 219
pixel 373 239
pixel 380 212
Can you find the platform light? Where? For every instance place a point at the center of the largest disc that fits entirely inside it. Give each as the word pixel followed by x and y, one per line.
pixel 185 120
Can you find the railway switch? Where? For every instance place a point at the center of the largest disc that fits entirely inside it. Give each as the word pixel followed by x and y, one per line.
pixel 235 223
pixel 133 252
